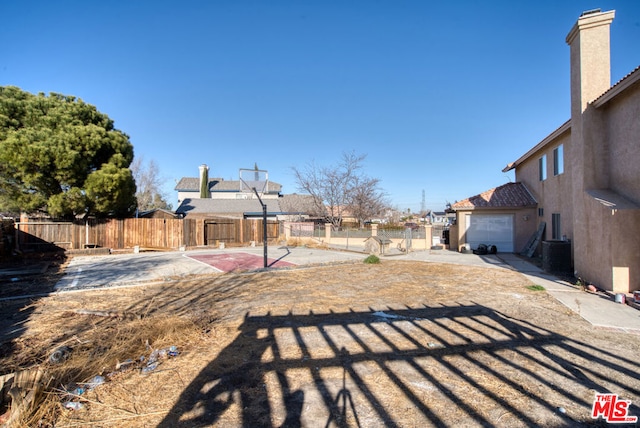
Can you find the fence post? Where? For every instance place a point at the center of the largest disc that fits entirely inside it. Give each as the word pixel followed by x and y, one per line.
pixel 287 231
pixel 327 232
pixel 374 229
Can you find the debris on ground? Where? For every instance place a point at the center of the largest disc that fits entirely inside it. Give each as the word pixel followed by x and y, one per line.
pixel 59 355
pixel 158 354
pixel 19 394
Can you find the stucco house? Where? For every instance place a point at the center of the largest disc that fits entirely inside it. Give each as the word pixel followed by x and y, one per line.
pixel 585 176
pixel 219 188
pixel 228 198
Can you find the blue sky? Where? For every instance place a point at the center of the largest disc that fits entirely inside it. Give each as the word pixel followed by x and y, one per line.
pixel 440 96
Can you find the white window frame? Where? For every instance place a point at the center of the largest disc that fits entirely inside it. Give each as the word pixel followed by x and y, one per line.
pixel 558 160
pixel 542 167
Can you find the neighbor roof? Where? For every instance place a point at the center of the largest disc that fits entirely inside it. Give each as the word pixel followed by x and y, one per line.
pixel 296 204
pixel 236 207
pixel 192 184
pixel 510 195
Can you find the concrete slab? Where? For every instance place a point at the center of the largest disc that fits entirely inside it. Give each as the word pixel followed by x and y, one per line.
pixel 126 269
pixel 85 272
pixel 446 256
pixel 519 264
pixel 599 309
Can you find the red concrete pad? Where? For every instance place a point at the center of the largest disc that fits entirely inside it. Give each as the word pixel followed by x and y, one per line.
pixel 238 261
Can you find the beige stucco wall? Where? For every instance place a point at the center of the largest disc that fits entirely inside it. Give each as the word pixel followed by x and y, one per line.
pixel 622 132
pixel 607 228
pixel 552 194
pixel 454 237
pixel 608 253
pixel 358 243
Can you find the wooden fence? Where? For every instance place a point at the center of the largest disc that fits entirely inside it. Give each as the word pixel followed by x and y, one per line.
pixel 142 232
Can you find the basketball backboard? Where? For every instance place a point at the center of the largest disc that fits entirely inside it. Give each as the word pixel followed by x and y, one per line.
pixel 254 181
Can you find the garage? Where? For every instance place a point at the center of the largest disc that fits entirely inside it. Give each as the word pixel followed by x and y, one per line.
pixel 490 229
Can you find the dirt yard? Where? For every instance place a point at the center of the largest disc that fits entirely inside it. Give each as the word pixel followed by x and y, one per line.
pixel 408 344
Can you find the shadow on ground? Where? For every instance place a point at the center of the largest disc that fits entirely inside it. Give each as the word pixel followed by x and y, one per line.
pixel 23 281
pixel 442 366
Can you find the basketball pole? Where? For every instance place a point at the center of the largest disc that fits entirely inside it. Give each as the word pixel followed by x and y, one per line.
pixel 264 226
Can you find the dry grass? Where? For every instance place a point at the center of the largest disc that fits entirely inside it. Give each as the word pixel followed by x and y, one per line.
pixel 306 242
pixel 305 347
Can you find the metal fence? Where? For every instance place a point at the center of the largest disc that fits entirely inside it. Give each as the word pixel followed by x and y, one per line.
pixel 402 233
pixel 349 232
pixel 319 231
pixel 302 230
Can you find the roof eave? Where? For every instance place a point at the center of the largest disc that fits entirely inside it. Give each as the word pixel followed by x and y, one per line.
pixel 506 208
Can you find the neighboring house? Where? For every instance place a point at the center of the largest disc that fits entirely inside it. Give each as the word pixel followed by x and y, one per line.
pixel 296 207
pixel 425 217
pixel 228 198
pixel 450 218
pixel 438 217
pixel 218 188
pixel 585 176
pixel 230 208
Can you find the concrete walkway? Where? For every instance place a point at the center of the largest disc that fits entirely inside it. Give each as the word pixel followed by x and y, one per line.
pixel 598 308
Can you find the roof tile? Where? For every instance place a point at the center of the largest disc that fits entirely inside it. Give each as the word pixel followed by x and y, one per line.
pixel 510 195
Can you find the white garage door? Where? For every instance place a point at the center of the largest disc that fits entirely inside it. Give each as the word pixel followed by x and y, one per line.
pixel 490 229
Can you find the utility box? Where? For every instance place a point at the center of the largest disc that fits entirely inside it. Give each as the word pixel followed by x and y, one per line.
pixel 556 256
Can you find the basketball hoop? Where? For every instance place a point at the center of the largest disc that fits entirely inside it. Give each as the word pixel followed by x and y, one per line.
pixel 251 179
pixel 256 181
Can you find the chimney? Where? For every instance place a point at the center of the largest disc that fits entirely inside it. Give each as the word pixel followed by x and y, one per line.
pixel 590 58
pixel 204 182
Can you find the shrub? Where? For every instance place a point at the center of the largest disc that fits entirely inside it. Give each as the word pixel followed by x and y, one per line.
pixel 372 259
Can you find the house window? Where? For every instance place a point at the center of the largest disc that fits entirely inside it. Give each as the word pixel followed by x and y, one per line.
pixel 540 212
pixel 542 167
pixel 558 160
pixel 556 228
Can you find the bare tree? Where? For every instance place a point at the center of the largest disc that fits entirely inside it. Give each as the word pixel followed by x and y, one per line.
pixel 149 185
pixel 367 200
pixel 340 188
